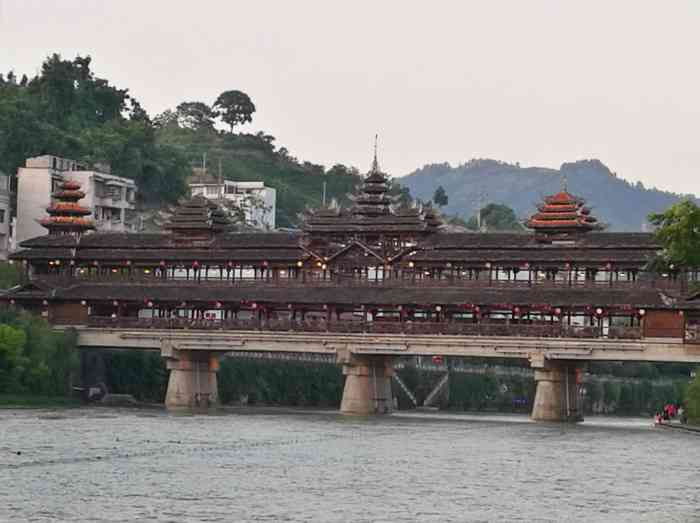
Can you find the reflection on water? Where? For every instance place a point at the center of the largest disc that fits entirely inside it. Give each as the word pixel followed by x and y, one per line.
pixel 123 465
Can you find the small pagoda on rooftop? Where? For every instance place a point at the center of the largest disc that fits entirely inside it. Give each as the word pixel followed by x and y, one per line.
pixel 563 214
pixel 197 219
pixel 373 198
pixel 66 215
pixel 374 218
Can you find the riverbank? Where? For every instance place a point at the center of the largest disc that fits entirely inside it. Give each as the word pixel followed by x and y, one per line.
pixel 22 401
pixel 680 426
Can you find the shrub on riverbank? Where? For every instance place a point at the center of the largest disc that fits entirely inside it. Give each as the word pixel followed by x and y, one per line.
pixel 35 359
pixel 693 400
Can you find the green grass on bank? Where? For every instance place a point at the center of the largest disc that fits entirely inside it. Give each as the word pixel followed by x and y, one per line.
pixel 22 401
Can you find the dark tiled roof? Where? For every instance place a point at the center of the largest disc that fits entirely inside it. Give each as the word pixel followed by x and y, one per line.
pixel 182 291
pixel 582 256
pixel 212 254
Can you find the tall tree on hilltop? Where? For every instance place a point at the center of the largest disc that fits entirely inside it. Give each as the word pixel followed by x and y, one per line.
pixel 196 115
pixel 235 108
pixel 71 96
pixel 440 197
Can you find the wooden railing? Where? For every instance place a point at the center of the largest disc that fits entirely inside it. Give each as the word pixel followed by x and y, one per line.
pixel 376 327
pixel 345 282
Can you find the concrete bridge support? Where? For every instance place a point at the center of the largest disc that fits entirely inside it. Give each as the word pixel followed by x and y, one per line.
pixel 557 397
pixel 192 385
pixel 367 385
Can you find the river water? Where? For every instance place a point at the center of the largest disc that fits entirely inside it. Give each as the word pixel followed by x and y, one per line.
pixel 98 464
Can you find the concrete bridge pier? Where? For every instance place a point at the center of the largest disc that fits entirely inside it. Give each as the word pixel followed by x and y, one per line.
pixel 557 397
pixel 192 384
pixel 367 384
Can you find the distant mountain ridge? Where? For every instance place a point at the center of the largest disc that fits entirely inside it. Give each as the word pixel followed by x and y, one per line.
pixel 620 204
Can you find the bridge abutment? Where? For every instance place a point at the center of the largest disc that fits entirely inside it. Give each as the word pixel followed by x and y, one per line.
pixel 367 385
pixel 192 384
pixel 557 397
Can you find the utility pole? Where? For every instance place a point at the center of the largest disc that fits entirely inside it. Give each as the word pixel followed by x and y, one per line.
pixel 479 204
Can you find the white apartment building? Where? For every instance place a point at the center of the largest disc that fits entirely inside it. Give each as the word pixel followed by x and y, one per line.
pixel 257 201
pixel 110 198
pixel 5 216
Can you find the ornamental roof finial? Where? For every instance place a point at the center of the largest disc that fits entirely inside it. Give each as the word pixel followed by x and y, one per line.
pixel 375 162
pixel 564 183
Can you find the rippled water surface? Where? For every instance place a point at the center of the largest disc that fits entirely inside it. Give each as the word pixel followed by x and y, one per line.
pixel 125 465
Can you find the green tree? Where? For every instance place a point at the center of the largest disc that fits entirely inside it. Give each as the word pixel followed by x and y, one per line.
pixel 679 233
pixel 440 196
pixel 12 341
pixel 195 115
pixel 235 108
pixel 693 399
pixel 496 217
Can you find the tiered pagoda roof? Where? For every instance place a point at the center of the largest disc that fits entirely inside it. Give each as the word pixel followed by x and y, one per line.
pixel 563 213
pixel 373 212
pixel 373 197
pixel 198 216
pixel 66 215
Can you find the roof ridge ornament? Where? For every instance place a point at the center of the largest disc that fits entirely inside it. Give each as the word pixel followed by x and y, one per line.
pixel 375 161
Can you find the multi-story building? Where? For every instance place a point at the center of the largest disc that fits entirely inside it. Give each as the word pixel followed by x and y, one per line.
pixel 257 202
pixel 5 216
pixel 111 198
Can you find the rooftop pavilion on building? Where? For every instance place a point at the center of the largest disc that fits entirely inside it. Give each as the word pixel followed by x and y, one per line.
pixel 374 268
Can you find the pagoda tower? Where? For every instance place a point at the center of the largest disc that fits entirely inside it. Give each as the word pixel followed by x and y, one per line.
pixel 66 215
pixel 197 219
pixel 563 214
pixel 372 198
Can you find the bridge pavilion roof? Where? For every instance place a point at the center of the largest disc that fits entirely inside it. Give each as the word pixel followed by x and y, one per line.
pixel 494 297
pixel 623 249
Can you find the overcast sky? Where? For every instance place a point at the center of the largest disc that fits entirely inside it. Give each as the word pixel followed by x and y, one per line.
pixel 537 82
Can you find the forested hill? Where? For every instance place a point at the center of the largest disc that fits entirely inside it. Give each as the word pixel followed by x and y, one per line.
pixel 622 205
pixel 66 110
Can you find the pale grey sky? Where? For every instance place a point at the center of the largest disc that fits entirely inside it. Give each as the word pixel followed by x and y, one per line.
pixel 535 81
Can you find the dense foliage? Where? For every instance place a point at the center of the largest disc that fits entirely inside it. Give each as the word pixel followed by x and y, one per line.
pixel 496 218
pixel 693 400
pixel 66 110
pixel 679 233
pixel 34 358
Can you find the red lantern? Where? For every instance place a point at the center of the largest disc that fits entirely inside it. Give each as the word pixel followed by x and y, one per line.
pixel 195 264
pixel 438 360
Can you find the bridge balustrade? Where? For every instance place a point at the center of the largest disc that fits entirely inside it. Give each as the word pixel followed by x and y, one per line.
pixel 342 281
pixel 549 330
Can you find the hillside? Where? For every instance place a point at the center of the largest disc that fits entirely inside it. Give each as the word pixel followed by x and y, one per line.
pixel 622 205
pixel 246 157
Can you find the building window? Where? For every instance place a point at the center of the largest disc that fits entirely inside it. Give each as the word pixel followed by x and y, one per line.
pixel 212 191
pixel 2 215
